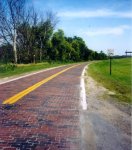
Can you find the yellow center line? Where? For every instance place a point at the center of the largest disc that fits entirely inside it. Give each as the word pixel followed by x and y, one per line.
pixel 21 94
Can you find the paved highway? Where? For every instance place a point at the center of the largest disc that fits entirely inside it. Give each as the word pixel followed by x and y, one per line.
pixel 41 111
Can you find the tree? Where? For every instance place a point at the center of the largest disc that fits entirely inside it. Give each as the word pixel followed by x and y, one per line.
pixel 10 18
pixel 34 34
pixel 6 53
pixel 44 33
pixel 76 50
pixel 57 43
pixel 102 55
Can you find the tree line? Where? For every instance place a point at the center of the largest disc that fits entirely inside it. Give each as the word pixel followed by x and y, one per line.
pixel 27 37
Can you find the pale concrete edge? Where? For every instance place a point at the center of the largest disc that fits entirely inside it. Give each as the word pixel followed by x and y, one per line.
pixel 83 108
pixel 27 75
pixel 82 90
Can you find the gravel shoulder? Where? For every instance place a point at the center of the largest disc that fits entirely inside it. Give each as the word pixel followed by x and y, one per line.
pixel 106 123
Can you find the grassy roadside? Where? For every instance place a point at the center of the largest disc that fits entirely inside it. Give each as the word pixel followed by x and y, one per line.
pixel 11 70
pixel 119 81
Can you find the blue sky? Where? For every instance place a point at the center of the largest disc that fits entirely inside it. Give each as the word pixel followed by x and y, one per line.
pixel 103 24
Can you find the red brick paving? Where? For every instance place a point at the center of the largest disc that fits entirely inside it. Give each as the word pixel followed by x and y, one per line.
pixel 45 119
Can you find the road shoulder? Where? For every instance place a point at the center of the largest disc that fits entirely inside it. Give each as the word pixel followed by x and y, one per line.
pixel 108 121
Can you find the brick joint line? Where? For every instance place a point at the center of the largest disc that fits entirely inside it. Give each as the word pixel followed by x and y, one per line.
pixel 21 94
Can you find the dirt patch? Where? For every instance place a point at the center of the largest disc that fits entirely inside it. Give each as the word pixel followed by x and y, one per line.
pixel 99 99
pixel 109 120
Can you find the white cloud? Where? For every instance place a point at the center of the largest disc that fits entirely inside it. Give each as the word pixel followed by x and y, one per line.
pixel 95 13
pixel 106 31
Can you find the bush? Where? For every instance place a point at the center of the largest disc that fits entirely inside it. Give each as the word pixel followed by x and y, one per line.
pixel 7 67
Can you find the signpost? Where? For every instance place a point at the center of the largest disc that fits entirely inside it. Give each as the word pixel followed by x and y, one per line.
pixel 110 54
pixel 128 52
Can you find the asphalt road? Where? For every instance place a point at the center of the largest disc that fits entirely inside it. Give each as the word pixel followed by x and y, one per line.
pixel 43 116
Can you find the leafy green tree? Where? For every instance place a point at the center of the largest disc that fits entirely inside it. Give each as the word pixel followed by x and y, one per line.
pixel 6 53
pixel 102 55
pixel 44 33
pixel 58 44
pixel 76 50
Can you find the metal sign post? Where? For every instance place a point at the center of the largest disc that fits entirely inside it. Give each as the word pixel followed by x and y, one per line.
pixel 128 52
pixel 110 54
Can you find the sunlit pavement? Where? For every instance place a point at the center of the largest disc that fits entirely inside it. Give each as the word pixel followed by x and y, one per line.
pixel 45 119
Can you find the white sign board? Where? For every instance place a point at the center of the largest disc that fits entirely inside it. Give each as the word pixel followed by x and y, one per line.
pixel 110 52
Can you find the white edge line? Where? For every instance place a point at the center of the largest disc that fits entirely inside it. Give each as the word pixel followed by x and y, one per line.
pixel 83 91
pixel 23 76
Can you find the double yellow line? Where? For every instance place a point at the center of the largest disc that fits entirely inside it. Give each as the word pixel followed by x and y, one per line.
pixel 18 96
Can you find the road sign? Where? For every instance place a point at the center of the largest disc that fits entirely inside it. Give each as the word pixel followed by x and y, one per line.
pixel 110 52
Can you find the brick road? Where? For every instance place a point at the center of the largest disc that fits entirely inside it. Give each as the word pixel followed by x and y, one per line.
pixel 45 119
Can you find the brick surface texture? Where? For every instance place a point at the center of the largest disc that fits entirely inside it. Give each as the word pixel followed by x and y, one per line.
pixel 45 119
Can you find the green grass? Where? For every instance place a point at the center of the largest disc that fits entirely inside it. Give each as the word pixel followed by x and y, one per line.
pixel 119 81
pixel 7 70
